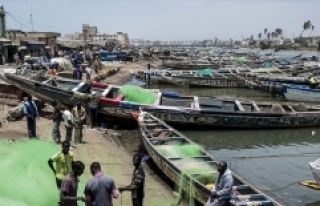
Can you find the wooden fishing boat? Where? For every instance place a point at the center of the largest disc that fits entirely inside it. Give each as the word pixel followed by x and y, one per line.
pixel 201 81
pixel 176 109
pixel 294 92
pixel 196 171
pixel 190 66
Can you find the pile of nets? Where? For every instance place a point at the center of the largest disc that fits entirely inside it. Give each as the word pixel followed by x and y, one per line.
pixel 240 59
pixel 204 174
pixel 134 93
pixel 26 178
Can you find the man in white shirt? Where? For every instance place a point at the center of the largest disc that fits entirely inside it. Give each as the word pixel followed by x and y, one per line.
pixel 88 72
pixel 68 122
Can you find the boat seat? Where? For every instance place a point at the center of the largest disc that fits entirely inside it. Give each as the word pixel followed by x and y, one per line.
pixel 166 139
pixel 119 97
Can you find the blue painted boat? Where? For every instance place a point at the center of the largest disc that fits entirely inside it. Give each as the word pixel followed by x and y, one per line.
pixel 112 56
pixel 195 172
pixel 295 92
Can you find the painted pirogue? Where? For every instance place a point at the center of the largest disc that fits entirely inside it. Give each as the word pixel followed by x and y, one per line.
pixel 162 143
pixel 176 109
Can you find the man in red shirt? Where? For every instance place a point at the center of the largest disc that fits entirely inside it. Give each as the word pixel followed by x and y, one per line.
pixel 69 186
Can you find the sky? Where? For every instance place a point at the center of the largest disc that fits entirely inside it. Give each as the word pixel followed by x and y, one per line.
pixel 171 20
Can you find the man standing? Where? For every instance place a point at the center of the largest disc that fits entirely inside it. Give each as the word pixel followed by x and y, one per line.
pixel 63 160
pixel 31 111
pixel 137 182
pixel 93 110
pixel 100 189
pixel 56 118
pixel 69 186
pixel 69 124
pixel 88 72
pixel 79 116
pixel 222 191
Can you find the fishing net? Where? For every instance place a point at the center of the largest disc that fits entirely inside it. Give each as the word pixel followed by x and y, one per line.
pixel 204 174
pixel 134 93
pixel 240 59
pixel 26 178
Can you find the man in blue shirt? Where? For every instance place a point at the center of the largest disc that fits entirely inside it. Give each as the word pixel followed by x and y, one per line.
pixel 31 111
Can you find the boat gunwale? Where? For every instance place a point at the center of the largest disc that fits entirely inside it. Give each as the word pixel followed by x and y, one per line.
pixel 234 174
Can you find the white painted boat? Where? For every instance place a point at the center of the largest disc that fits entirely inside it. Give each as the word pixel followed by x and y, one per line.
pixel 315 169
pixel 302 93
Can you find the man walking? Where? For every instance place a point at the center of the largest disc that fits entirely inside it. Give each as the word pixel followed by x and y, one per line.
pixel 69 124
pixel 222 191
pixel 100 189
pixel 63 160
pixel 56 118
pixel 79 116
pixel 31 111
pixel 137 183
pixel 69 186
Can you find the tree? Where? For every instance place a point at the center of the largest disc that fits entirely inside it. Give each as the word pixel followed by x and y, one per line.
pixel 306 25
pixel 278 31
pixel 312 28
pixel 265 31
pixel 251 37
pixel 273 35
pixel 268 36
pixel 259 35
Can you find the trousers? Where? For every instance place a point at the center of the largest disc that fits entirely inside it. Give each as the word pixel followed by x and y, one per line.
pixel 31 123
pixel 69 133
pixel 56 135
pixel 93 116
pixel 78 132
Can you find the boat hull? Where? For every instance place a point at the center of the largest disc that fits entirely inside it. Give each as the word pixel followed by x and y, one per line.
pixel 301 93
pixel 190 184
pixel 219 120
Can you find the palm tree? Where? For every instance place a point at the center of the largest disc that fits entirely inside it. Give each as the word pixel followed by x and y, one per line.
pixel 251 37
pixel 278 31
pixel 306 26
pixel 259 36
pixel 268 36
pixel 312 28
pixel 265 31
pixel 273 35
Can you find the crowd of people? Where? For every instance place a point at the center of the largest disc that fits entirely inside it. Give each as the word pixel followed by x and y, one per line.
pixel 73 118
pixel 100 189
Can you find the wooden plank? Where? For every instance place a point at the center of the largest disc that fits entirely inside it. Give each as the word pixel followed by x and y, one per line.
pixel 290 107
pixel 158 100
pixel 255 106
pixel 196 102
pixel 239 105
pixel 279 106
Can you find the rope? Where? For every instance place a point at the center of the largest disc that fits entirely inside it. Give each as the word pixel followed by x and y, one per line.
pixel 281 188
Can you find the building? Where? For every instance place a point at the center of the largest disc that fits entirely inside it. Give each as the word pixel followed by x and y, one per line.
pixel 90 35
pixel 33 41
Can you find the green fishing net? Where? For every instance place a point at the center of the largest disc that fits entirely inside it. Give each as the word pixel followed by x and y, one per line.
pixel 26 179
pixel 203 173
pixel 134 93
pixel 240 59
